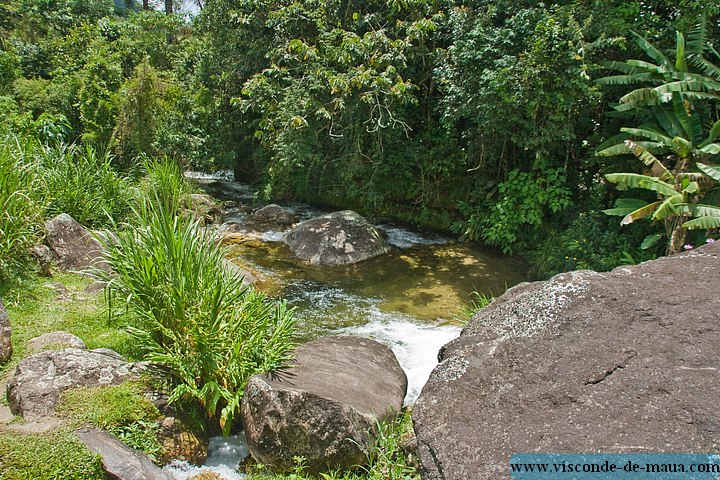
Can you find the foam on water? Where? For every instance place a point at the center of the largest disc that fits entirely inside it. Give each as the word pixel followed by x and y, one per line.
pixel 402 238
pixel 224 456
pixel 220 175
pixel 416 346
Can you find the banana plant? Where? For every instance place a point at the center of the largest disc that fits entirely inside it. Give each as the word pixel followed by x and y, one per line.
pixel 680 101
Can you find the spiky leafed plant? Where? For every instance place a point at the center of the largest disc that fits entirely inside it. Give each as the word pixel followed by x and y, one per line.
pixel 681 110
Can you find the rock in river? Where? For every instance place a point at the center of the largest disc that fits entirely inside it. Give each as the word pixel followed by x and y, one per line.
pixel 339 238
pixel 625 361
pixel 325 406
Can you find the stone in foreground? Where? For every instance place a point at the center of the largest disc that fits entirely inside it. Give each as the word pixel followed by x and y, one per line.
pixel 56 341
pixel 34 389
pixel 339 238
pixel 74 247
pixel 625 361
pixel 120 461
pixel 325 406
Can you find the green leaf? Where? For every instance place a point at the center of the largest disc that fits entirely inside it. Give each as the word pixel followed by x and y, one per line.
pixel 712 134
pixel 669 206
pixel 651 240
pixel 651 51
pixel 703 223
pixel 680 63
pixel 656 166
pixel 634 180
pixel 712 171
pixel 619 149
pixel 623 206
pixel 712 149
pixel 697 37
pixel 649 134
pixel 640 213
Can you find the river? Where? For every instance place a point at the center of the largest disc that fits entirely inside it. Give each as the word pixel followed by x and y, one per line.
pixel 412 299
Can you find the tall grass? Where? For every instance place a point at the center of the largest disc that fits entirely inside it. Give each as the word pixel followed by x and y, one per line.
pixel 20 205
pixel 83 183
pixel 164 180
pixel 196 320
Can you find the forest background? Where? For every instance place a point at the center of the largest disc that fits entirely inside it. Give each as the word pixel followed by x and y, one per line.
pixel 482 117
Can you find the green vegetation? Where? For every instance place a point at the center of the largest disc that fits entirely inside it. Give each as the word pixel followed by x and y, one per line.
pixel 196 320
pixel 47 456
pixel 37 307
pixel 495 119
pixel 120 409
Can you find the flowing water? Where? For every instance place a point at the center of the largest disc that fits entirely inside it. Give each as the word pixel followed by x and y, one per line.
pixel 411 299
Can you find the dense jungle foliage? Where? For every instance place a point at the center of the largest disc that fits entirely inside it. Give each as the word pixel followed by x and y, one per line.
pixel 482 116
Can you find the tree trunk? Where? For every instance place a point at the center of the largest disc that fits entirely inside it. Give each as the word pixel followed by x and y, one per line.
pixel 146 4
pixel 168 7
pixel 678 237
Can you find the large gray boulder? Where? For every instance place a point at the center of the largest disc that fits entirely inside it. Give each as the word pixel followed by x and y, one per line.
pixel 585 362
pixel 34 389
pixel 339 238
pixel 120 461
pixel 5 334
pixel 325 406
pixel 72 245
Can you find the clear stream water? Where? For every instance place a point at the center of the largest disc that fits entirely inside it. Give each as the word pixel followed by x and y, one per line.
pixel 410 299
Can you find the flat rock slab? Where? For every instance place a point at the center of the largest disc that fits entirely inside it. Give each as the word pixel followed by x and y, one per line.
pixel 626 361
pixel 34 389
pixel 325 406
pixel 339 238
pixel 120 461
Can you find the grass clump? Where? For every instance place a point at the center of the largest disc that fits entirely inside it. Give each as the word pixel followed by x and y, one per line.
pixel 120 409
pixel 20 207
pixel 196 321
pixel 164 181
pixel 50 456
pixel 83 183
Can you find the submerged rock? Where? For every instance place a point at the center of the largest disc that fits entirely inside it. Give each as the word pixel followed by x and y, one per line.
pixel 323 408
pixel 74 247
pixel 5 334
pixel 339 238
pixel 180 442
pixel 34 389
pixel 585 362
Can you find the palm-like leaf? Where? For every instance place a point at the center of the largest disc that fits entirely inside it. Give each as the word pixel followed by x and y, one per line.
pixel 697 38
pixel 680 62
pixel 640 213
pixel 652 52
pixel 656 166
pixel 635 180
pixel 669 206
pixel 712 171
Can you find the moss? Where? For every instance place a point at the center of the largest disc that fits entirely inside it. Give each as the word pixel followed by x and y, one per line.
pixel 58 455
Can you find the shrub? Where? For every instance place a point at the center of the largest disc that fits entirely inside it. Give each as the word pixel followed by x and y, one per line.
pixel 196 321
pixel 84 184
pixel 20 208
